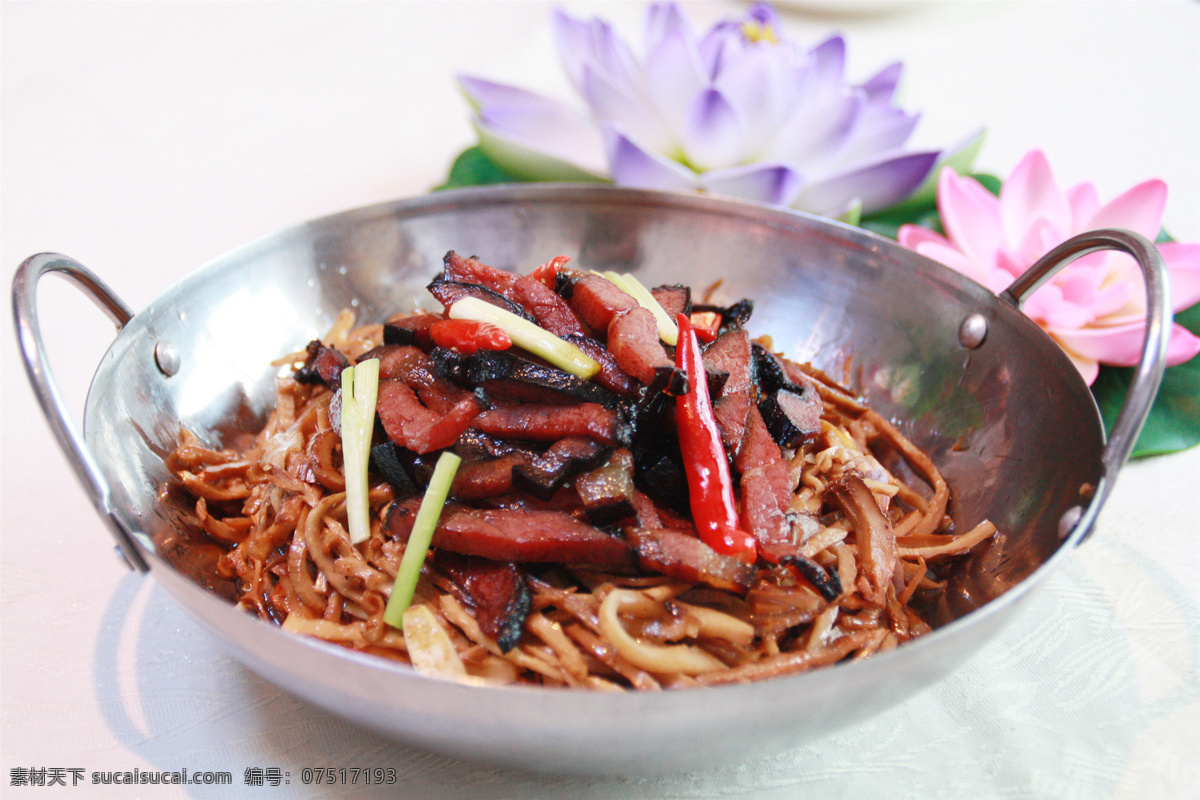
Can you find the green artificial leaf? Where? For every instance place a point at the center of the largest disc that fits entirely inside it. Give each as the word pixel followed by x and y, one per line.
pixel 852 215
pixel 989 182
pixel 1190 318
pixel 474 168
pixel 887 223
pixel 1174 421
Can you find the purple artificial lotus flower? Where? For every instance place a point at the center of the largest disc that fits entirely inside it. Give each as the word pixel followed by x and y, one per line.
pixel 1095 308
pixel 739 111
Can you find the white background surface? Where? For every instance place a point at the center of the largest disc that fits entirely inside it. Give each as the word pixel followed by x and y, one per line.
pixel 146 139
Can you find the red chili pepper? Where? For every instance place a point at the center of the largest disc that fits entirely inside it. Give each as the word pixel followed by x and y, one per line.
pixel 468 336
pixel 547 273
pixel 710 486
pixel 706 325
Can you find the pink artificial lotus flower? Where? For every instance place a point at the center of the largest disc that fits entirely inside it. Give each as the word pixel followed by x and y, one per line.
pixel 1096 307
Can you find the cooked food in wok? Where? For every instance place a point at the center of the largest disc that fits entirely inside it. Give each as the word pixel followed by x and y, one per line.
pixel 567 479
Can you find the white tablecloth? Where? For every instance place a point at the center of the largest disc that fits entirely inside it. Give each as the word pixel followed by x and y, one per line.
pixel 145 139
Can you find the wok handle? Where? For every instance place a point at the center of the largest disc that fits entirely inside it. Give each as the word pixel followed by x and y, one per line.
pixel 1147 374
pixel 33 350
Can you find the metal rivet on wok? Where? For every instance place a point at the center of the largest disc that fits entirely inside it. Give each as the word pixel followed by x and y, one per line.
pixel 973 331
pixel 166 358
pixel 1068 521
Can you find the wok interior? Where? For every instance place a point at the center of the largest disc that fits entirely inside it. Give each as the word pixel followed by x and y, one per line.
pixel 1010 424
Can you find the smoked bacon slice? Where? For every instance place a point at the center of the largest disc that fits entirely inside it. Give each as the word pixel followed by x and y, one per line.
pixel 523 535
pixel 731 353
pixel 549 422
pixel 496 592
pixel 410 424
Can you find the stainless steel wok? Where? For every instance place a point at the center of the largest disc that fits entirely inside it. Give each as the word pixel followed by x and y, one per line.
pixel 969 377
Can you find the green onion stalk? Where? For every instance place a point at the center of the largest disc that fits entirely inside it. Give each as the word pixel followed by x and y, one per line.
pixel 360 389
pixel 419 540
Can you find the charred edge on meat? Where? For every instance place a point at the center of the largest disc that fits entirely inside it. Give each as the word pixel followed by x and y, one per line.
pixel 386 462
pixel 322 365
pixel 791 410
pixel 489 365
pixel 658 465
pixel 410 330
pixel 783 412
pixel 671 381
pixel 716 379
pixel 734 316
pixel 475 444
pixel 496 593
pixel 661 476
pixel 766 370
pixel 674 298
pixel 398 335
pixel 539 472
pixel 607 491
pixel 494 365
pixel 546 473
pixel 448 292
pixel 827 583
pixel 481 397
pixel 514 621
pixel 564 283
pixel 610 376
pixel 451 365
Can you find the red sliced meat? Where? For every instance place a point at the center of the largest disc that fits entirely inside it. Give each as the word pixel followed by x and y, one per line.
pixel 402 362
pixel 414 329
pixel 566 458
pixel 528 293
pixel 472 270
pixel 322 365
pixel 647 513
pixel 523 535
pixel 676 299
pixel 758 450
pixel 766 483
pixel 793 415
pixel 450 292
pixel 610 376
pixel 496 592
pixel 550 310
pixel 731 353
pixel 414 367
pixel 487 477
pixel 546 422
pixel 634 343
pixel 761 510
pixel 683 556
pixel 597 300
pixel 410 424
